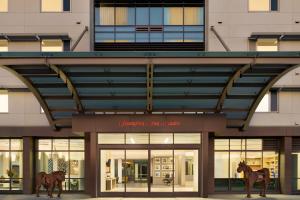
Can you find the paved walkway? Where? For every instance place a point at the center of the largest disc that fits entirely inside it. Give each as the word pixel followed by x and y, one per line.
pixel 212 197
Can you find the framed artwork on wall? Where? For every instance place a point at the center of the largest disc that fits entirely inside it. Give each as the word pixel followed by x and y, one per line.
pixel 157 174
pixel 157 160
pixel 157 167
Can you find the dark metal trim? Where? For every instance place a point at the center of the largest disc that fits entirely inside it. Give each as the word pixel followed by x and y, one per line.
pixel 229 85
pixel 263 92
pixel 70 86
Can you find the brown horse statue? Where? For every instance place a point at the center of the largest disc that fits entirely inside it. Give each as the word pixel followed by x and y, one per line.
pixel 50 181
pixel 262 176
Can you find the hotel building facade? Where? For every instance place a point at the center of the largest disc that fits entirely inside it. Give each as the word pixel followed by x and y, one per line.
pixel 149 98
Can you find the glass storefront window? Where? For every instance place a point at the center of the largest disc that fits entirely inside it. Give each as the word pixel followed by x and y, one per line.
pixel 60 144
pixel 237 144
pixel 296 171
pixel 63 155
pixel 136 170
pixel 186 167
pixel 161 138
pixel 111 138
pixel 162 171
pixel 221 144
pixel 112 171
pixel 11 164
pixel 187 138
pixel 231 152
pixel 254 144
pixel 137 138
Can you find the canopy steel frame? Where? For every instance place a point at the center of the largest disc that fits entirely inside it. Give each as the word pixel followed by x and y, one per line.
pixel 260 70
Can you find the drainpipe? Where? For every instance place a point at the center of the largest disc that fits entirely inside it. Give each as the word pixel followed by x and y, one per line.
pixel 79 38
pixel 212 28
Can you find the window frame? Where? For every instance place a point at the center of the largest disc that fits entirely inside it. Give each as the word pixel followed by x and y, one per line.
pixel 278 43
pixel 62 46
pixel 265 11
pixel 68 152
pixel 7 43
pixel 62 11
pixel 6 11
pixel 7 93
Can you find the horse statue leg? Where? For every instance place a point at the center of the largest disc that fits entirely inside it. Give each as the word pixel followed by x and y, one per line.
pixel 59 184
pixel 37 189
pixel 249 187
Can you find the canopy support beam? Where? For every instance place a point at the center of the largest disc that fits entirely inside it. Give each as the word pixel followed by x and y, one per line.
pixel 36 93
pixel 262 94
pixel 229 85
pixel 70 86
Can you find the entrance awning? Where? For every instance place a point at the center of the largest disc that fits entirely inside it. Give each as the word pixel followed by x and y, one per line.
pixel 68 83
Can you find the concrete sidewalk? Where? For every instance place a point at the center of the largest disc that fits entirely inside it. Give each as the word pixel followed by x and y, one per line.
pixel 212 197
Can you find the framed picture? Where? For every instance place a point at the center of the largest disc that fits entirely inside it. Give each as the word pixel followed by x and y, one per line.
pixel 157 174
pixel 164 160
pixel 170 160
pixel 157 160
pixel 166 167
pixel 157 167
pixel 163 174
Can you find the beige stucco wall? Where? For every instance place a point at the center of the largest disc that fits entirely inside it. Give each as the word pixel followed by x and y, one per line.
pixel 238 24
pixel 24 16
pixel 24 110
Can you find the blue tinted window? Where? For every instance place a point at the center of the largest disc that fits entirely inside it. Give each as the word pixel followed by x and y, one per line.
pixel 173 37
pixel 193 37
pixel 156 16
pixel 124 37
pixel 67 5
pixel 142 37
pixel 125 16
pixel 156 37
pixel 104 37
pixel 97 16
pixel 274 5
pixel 142 16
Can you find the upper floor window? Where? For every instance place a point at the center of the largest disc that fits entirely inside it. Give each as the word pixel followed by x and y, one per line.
pixel 269 102
pixel 52 45
pixel 267 45
pixel 3 5
pixel 3 101
pixel 263 5
pixel 3 45
pixel 55 5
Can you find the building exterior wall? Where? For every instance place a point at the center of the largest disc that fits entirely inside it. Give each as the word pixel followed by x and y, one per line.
pixel 235 23
pixel 25 17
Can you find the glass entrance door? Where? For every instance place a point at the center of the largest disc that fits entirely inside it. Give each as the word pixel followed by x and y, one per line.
pixel 149 163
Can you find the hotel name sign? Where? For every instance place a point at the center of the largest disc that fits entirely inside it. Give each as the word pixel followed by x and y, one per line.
pixel 127 123
pixel 147 123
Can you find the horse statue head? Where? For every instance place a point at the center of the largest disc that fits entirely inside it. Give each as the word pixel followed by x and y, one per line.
pixel 59 175
pixel 242 167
